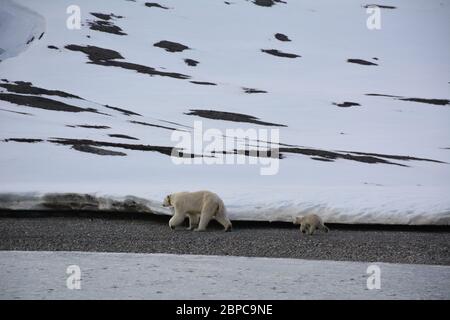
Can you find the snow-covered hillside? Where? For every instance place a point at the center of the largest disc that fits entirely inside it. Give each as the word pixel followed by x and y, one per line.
pixel 363 115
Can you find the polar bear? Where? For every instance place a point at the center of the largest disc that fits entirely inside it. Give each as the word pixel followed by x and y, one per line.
pixel 199 206
pixel 310 223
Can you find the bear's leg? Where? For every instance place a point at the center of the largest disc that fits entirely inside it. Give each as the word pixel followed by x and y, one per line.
pixel 223 220
pixel 193 221
pixel 311 229
pixel 204 220
pixel 208 211
pixel 176 220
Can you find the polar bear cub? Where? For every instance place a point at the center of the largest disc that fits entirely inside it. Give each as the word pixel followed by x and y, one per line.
pixel 200 207
pixel 310 223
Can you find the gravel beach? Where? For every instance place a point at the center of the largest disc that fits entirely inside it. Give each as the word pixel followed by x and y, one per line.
pixel 144 233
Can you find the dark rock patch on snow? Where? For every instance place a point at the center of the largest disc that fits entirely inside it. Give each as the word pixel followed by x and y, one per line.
pixel 170 46
pixel 362 62
pixel 281 37
pixel 365 157
pixel 106 26
pixel 267 3
pixel 155 5
pixel 122 136
pixel 381 95
pixel 230 116
pixel 137 147
pixel 107 57
pixel 438 102
pixel 152 125
pixel 28 88
pixel 91 126
pixel 123 111
pixel 191 62
pixel 43 103
pixel 379 6
pixel 105 16
pixel 346 104
pixel 270 153
pixel 25 140
pixel 251 90
pixel 142 69
pixel 332 155
pixel 322 159
pixel 94 53
pixel 204 83
pixel 97 151
pixel 394 157
pixel 17 112
pixel 278 53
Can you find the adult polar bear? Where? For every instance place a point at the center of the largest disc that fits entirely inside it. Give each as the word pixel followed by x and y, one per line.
pixel 199 206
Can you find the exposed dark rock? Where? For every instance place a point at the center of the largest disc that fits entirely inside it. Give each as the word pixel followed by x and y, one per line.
pixel 151 125
pixel 123 111
pixel 107 57
pixel 379 6
pixel 28 88
pixel 191 63
pixel 122 136
pixel 281 37
pixel 278 53
pixel 94 53
pixel 346 104
pixel 267 3
pixel 26 140
pixel 230 116
pixel 97 151
pixel 106 26
pixel 362 62
pixel 43 103
pixel 205 83
pixel 250 90
pixel 155 5
pixel 170 46
pixel 137 147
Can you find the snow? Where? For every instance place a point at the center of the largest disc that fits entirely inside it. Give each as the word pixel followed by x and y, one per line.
pixel 412 47
pixel 20 21
pixel 42 275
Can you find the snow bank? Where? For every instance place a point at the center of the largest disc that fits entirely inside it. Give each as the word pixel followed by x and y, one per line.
pixel 92 112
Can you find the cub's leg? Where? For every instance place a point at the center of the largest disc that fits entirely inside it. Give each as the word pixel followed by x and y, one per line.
pixel 193 221
pixel 304 227
pixel 324 228
pixel 208 211
pixel 311 229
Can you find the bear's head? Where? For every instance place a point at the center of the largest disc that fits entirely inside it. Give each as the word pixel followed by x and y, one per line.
pixel 166 202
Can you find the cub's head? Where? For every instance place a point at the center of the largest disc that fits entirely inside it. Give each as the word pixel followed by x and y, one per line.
pixel 167 201
pixel 298 220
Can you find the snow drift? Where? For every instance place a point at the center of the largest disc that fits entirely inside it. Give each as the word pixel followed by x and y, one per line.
pixel 87 116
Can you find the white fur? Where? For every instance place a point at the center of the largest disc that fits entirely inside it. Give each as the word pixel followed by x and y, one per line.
pixel 200 207
pixel 310 223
